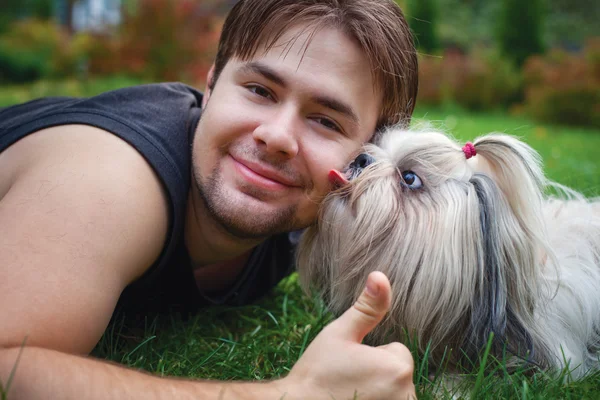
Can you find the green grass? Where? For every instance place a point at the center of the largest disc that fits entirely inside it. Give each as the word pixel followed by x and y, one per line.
pixel 263 341
pixel 260 341
pixel 14 94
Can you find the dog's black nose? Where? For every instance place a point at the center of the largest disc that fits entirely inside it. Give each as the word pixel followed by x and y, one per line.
pixel 362 161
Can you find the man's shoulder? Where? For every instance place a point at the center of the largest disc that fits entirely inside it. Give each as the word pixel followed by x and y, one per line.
pixel 97 185
pixel 150 99
pixel 81 152
pixel 157 120
pixel 160 93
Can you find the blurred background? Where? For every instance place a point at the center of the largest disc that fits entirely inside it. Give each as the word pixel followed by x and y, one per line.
pixel 534 58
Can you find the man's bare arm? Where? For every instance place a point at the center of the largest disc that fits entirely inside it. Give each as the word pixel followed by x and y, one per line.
pixel 48 374
pixel 84 215
pixel 334 366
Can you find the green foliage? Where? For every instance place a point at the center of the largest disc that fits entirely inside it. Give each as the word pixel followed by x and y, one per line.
pixel 35 49
pixel 467 23
pixel 14 94
pixel 423 20
pixel 21 65
pixel 565 88
pixel 19 9
pixel 520 29
pixel 570 22
pixel 464 23
pixel 480 80
pixel 38 9
pixel 160 40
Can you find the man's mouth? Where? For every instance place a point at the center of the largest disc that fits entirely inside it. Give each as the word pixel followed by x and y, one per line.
pixel 262 176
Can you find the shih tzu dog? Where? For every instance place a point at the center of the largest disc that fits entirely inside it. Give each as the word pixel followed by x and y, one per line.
pixel 475 251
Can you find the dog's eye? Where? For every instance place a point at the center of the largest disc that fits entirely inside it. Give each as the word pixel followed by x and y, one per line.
pixel 411 180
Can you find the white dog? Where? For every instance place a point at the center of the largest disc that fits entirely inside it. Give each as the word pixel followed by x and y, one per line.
pixel 472 247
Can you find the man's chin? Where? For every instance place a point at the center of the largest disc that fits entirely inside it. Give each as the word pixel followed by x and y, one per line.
pixel 254 226
pixel 251 218
pixel 245 214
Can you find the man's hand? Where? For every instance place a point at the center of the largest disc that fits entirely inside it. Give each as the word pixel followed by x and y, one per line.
pixel 337 366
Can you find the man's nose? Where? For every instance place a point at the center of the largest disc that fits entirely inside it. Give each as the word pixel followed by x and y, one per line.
pixel 279 135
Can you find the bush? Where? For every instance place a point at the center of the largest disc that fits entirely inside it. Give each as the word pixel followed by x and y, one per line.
pixel 21 65
pixel 481 80
pixel 160 40
pixel 13 10
pixel 520 29
pixel 565 88
pixel 423 23
pixel 33 49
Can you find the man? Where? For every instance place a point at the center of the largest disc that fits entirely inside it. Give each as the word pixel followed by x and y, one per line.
pixel 101 199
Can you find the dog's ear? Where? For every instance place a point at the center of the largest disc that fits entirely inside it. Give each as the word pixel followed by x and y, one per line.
pixel 517 170
pixel 506 288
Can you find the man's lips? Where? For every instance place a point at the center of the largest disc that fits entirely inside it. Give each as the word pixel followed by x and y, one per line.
pixel 263 177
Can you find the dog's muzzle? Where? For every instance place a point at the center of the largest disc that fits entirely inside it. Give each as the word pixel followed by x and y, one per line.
pixel 361 162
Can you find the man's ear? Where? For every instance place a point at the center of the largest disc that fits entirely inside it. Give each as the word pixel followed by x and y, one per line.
pixel 209 85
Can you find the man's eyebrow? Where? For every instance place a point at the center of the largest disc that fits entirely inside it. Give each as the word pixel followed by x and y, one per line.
pixel 256 67
pixel 338 106
pixel 269 73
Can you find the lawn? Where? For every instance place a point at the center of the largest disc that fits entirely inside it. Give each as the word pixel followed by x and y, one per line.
pixel 262 341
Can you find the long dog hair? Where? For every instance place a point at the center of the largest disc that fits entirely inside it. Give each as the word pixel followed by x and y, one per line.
pixel 476 249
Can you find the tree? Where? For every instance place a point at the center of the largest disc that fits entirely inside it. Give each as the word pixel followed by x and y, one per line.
pixel 569 22
pixel 13 10
pixel 64 13
pixel 422 18
pixel 520 29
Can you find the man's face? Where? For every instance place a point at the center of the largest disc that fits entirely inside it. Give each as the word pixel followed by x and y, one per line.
pixel 275 125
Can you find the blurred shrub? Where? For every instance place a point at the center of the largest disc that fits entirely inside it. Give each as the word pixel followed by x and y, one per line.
pixel 13 10
pixel 480 80
pixel 520 29
pixel 570 22
pixel 160 40
pixel 20 93
pixel 423 18
pixel 565 88
pixel 33 49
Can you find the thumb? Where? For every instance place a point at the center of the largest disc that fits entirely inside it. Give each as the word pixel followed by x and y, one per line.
pixel 370 308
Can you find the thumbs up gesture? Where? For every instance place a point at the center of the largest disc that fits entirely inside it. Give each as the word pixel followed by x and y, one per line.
pixel 337 366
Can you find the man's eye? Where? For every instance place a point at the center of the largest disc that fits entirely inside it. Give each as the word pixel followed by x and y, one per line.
pixel 329 124
pixel 259 90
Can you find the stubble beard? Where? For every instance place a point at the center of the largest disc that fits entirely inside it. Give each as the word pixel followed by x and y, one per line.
pixel 235 217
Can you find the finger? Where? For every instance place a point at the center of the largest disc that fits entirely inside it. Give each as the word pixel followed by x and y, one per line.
pixel 367 312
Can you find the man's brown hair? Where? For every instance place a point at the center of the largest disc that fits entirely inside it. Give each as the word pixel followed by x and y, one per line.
pixel 377 26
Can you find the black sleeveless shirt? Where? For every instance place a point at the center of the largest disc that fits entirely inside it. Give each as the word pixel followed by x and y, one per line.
pixel 159 121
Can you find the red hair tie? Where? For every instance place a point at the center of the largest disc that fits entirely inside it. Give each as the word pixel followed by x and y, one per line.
pixel 469 150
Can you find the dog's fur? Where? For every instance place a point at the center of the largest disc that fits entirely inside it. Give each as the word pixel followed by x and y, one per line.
pixel 479 249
